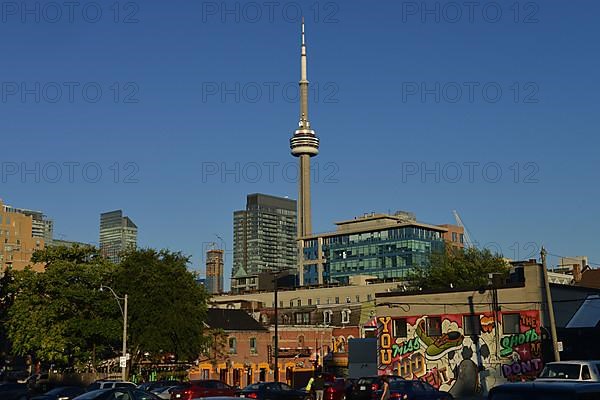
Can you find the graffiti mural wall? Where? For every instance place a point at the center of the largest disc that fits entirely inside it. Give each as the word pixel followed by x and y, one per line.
pixel 461 353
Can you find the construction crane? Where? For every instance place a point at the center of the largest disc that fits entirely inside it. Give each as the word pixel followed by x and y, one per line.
pixel 467 238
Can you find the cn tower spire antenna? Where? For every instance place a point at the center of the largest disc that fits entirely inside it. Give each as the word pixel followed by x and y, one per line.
pixel 304 122
pixel 304 145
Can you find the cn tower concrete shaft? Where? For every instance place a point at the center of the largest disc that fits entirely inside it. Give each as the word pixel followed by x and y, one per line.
pixel 304 215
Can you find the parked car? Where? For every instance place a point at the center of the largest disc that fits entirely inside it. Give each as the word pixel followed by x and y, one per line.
pixel 165 392
pixel 150 386
pixel 109 384
pixel 38 383
pixel 202 388
pixel 367 386
pixel 585 371
pixel 61 393
pixel 13 391
pixel 130 393
pixel 537 390
pixel 415 390
pixel 273 391
pixel 337 389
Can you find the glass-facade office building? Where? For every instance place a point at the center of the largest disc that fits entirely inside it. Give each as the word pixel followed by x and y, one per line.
pixel 383 247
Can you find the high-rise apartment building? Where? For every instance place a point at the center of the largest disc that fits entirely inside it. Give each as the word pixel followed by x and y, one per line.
pixel 18 238
pixel 214 271
pixel 118 233
pixel 264 239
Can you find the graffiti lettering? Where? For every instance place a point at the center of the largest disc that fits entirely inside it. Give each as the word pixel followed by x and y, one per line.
pixel 412 366
pixel 516 370
pixel 436 377
pixel 508 343
pixel 406 347
pixel 529 321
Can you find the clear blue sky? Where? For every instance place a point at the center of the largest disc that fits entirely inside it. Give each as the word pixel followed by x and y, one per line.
pixel 400 89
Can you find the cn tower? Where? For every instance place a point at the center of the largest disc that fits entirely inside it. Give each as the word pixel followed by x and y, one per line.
pixel 304 144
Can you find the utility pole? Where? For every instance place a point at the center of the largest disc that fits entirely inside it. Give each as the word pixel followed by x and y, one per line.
pixel 550 307
pixel 276 350
pixel 124 369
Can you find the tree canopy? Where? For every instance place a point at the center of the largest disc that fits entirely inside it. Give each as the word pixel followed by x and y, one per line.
pixel 167 307
pixel 463 268
pixel 60 315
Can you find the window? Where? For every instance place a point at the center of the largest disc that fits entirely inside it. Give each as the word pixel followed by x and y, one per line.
pixel 302 318
pixel 454 237
pixel 327 316
pixel 329 300
pixel 301 341
pixel 346 316
pixel 585 373
pixel 471 325
pixel 348 300
pixel 511 323
pixel 299 303
pixel 232 345
pixel 434 326
pixel 291 303
pixel 358 298
pixel 369 297
pixel 337 300
pixel 253 345
pixel 399 326
pixel 281 304
pixel 310 302
pixel 318 301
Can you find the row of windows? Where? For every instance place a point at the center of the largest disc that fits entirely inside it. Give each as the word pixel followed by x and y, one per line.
pixel 303 318
pixel 328 300
pixel 233 346
pixel 471 325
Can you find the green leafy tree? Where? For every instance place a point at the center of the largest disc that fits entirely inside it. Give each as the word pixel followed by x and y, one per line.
pixel 463 268
pixel 167 308
pixel 6 298
pixel 59 315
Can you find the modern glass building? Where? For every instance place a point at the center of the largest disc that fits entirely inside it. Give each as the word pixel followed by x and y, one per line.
pixel 264 239
pixel 117 234
pixel 377 245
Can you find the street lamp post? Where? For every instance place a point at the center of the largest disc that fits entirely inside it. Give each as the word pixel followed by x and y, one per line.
pixel 124 313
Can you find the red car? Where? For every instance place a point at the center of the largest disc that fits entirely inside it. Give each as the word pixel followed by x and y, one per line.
pixel 337 389
pixel 203 388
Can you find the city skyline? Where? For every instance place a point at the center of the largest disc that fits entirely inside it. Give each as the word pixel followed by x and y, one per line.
pixel 389 142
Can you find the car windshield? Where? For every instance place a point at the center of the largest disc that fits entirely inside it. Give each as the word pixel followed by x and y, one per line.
pixel 255 386
pixel 561 371
pixel 397 384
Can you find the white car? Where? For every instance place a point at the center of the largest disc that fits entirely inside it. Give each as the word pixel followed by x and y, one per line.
pixel 570 371
pixel 164 392
pixel 110 384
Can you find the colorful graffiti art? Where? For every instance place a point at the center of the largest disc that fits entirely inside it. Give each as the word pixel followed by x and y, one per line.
pixel 440 352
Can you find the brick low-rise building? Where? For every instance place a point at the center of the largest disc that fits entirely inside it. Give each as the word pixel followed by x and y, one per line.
pixel 465 342
pixel 240 352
